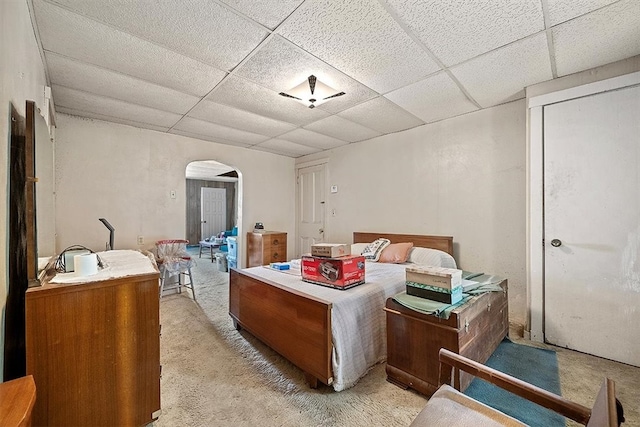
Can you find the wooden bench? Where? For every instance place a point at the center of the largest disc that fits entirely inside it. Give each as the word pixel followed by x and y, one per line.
pixel 448 406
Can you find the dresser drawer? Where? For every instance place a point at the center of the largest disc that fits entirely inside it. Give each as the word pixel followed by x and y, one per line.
pixel 266 247
pixel 277 253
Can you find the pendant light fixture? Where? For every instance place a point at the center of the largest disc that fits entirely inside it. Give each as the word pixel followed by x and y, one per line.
pixel 312 92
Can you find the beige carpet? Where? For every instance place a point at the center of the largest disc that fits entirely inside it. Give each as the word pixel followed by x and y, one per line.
pixel 213 375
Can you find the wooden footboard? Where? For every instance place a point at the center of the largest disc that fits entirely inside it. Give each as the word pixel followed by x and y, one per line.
pixel 296 325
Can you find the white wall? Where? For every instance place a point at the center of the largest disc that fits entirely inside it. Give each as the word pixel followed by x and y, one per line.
pixel 22 78
pixel 126 174
pixel 463 177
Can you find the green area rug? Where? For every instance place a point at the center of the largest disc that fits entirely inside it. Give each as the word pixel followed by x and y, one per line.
pixel 533 365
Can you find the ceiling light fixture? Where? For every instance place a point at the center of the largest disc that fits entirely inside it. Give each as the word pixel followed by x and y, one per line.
pixel 312 93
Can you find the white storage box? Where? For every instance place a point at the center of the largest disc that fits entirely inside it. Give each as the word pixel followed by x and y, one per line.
pixel 330 250
pixel 448 278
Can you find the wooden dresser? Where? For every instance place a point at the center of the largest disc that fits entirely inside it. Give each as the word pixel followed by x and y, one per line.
pixel 266 247
pixel 93 346
pixel 473 330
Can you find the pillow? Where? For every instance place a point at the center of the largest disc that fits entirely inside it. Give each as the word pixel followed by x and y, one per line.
pixel 433 257
pixel 396 253
pixel 357 248
pixel 374 249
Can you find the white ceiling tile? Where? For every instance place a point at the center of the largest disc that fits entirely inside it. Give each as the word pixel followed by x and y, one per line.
pixel 312 139
pixel 434 98
pixel 84 101
pixel 501 75
pixel 285 148
pixel 280 66
pixel 207 31
pixel 150 63
pixel 606 35
pixel 239 119
pixel 563 10
pixel 208 138
pixel 343 129
pixel 269 13
pixel 381 115
pixel 72 35
pixel 361 39
pixel 90 115
pixel 458 30
pixel 246 95
pixel 100 81
pixel 201 127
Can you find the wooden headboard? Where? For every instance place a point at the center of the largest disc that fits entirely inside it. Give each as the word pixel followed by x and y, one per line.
pixel 442 243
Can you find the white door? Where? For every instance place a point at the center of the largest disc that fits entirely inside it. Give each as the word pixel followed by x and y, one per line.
pixel 311 204
pixel 213 211
pixel 592 224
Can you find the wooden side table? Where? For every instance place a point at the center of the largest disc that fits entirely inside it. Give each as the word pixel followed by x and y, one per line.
pixel 414 339
pixel 17 398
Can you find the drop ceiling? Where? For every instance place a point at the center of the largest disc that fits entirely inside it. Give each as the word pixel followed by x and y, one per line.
pixel 213 70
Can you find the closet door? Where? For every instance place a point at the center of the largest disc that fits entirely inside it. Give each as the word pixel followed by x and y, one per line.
pixel 592 224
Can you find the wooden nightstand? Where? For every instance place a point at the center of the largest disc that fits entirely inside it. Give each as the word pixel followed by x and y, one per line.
pixel 266 247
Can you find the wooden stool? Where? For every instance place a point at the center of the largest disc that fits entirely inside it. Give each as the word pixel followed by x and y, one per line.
pixel 16 402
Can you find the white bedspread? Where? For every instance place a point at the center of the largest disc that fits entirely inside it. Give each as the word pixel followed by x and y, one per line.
pixel 357 318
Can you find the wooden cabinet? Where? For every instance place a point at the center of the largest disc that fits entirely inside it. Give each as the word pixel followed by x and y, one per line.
pixel 93 349
pixel 414 339
pixel 266 247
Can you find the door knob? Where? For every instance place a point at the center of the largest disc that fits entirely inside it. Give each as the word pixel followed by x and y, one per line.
pixel 556 242
pixel 321 231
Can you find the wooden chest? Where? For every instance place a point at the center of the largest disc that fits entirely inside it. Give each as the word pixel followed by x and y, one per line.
pixel 266 247
pixel 473 330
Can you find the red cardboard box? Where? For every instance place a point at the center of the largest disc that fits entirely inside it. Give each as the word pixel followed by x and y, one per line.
pixel 340 273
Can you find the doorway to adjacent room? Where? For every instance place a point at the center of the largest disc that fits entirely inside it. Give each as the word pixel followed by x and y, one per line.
pixel 213 196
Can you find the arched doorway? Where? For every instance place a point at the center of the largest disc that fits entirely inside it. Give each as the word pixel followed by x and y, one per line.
pixel 213 199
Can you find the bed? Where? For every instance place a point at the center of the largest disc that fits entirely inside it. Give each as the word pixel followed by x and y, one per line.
pixel 302 321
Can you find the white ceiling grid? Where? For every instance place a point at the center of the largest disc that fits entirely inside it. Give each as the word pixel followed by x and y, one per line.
pixel 213 69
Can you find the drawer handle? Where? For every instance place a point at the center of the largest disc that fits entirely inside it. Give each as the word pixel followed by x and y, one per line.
pixel 275 255
pixel 275 242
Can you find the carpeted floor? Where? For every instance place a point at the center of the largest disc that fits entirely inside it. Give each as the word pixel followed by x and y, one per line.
pixel 213 375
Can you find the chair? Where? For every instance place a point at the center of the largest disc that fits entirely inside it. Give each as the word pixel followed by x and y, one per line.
pixel 448 406
pixel 174 260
